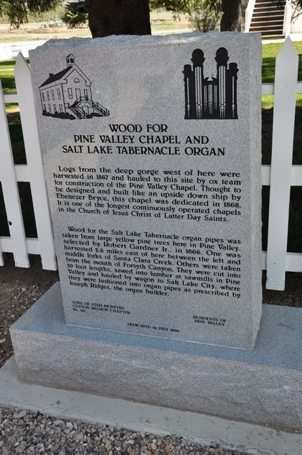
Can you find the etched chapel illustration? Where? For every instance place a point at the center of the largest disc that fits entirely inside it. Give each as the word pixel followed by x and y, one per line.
pixel 67 94
pixel 210 97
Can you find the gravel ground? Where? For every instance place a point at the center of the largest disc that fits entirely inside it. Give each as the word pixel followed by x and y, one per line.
pixel 28 433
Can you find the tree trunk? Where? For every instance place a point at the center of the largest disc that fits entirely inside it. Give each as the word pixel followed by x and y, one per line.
pixel 118 17
pixel 231 19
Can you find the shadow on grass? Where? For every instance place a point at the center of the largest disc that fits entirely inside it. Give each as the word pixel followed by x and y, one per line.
pixel 267 135
pixel 15 131
pixel 8 84
pixel 268 69
pixel 7 76
pixel 26 208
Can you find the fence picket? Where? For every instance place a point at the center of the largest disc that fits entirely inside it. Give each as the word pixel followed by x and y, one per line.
pixel 296 176
pixel 281 165
pixel 11 192
pixel 34 163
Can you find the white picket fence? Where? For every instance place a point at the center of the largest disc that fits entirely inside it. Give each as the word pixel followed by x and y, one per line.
pixel 31 172
pixel 281 175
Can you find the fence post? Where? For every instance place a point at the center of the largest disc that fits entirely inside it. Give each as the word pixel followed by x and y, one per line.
pixel 248 15
pixel 283 135
pixel 34 163
pixel 11 193
pixel 287 18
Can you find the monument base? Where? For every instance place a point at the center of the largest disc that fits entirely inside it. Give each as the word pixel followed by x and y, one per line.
pixel 262 386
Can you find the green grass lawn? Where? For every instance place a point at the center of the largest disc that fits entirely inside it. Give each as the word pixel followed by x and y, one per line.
pixel 7 76
pixel 269 53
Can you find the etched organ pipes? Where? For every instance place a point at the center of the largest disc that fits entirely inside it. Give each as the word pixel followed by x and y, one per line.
pixel 215 97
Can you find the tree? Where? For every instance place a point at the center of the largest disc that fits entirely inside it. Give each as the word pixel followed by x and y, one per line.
pixel 17 10
pixel 118 17
pixel 176 6
pixel 75 14
pixel 231 10
pixel 203 14
pixel 296 7
pixel 107 17
pixel 186 6
pixel 231 15
pixel 204 20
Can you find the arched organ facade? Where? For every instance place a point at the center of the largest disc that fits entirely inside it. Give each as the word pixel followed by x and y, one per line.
pixel 210 98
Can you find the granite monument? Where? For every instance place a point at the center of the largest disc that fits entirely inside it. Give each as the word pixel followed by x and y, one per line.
pixel 151 147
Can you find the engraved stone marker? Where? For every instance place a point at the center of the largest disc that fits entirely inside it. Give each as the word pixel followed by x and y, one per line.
pixel 151 148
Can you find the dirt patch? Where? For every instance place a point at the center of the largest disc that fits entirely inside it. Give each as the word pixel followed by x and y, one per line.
pixel 291 296
pixel 20 288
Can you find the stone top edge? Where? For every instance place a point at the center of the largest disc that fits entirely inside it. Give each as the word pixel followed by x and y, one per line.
pixel 131 40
